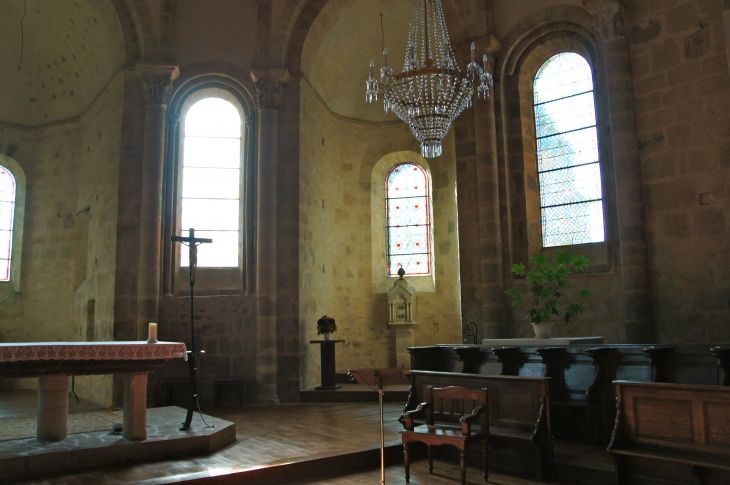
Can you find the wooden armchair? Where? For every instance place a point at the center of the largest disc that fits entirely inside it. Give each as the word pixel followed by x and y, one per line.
pixel 448 413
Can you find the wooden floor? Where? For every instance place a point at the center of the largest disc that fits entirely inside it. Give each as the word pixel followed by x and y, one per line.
pixel 288 440
pixel 444 473
pixel 265 437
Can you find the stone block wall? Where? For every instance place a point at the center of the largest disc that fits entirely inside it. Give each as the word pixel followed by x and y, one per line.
pixel 96 234
pixel 335 241
pixel 69 241
pixel 225 328
pixel 682 88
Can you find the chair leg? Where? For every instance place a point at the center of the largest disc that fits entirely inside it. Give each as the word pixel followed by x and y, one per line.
pixel 462 462
pixel 485 460
pixel 406 461
pixel 430 458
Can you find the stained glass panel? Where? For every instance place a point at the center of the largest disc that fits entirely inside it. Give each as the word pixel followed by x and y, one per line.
pixel 211 181
pixel 408 220
pixel 569 172
pixel 7 213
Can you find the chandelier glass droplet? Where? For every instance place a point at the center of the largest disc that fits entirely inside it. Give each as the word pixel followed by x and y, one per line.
pixel 431 91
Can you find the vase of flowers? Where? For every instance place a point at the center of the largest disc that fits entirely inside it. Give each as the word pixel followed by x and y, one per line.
pixel 325 326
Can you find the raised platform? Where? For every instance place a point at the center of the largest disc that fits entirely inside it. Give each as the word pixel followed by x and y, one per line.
pixel 396 393
pixel 29 456
pixel 542 342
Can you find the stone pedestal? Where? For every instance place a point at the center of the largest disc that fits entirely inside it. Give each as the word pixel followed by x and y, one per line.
pixel 403 340
pixel 135 407
pixel 327 364
pixel 52 408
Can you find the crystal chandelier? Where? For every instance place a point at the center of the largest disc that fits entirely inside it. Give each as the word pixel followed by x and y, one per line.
pixel 430 92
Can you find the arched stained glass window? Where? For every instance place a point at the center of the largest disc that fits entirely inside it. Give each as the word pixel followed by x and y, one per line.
pixel 7 214
pixel 211 181
pixel 408 220
pixel 571 200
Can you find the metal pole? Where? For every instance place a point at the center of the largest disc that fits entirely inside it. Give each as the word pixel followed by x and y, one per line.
pixel 382 433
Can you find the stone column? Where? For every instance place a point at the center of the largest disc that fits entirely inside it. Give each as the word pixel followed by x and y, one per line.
pixel 156 84
pixel 269 83
pixel 493 312
pixel 52 408
pixel 624 143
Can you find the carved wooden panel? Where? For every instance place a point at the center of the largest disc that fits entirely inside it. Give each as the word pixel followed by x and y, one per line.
pixel 717 423
pixel 663 419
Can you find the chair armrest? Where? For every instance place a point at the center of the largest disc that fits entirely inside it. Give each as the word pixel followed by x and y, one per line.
pixel 420 411
pixel 469 418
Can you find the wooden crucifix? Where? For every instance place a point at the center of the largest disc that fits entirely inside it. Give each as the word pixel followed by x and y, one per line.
pixel 192 242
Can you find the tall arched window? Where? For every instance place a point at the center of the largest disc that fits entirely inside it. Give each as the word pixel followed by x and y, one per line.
pixel 408 220
pixel 7 215
pixel 571 200
pixel 211 181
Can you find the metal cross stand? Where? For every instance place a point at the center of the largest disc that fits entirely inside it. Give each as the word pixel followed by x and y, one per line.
pixel 375 380
pixel 192 242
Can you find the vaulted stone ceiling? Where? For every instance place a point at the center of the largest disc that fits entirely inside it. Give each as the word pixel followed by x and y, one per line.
pixel 71 49
pixel 341 42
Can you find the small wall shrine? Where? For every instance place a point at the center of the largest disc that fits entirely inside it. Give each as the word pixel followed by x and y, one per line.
pixel 402 304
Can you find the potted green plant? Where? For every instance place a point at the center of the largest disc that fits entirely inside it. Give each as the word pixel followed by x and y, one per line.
pixel 548 283
pixel 325 326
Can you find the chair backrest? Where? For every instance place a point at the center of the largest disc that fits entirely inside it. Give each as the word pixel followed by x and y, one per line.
pixel 449 404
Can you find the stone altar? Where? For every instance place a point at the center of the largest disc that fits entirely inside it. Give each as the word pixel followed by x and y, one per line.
pixel 53 362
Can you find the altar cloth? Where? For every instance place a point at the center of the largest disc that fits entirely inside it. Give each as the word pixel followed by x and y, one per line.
pixel 24 351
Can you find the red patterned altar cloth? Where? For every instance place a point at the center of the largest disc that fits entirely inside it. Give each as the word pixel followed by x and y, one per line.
pixel 31 351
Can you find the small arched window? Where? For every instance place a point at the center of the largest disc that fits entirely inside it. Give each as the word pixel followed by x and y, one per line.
pixel 7 216
pixel 571 200
pixel 408 220
pixel 211 181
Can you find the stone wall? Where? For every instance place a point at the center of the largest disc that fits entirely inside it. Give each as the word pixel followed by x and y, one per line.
pixel 69 232
pixel 682 89
pixel 338 156
pixel 96 235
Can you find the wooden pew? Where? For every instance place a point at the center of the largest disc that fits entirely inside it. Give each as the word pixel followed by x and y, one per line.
pixel 519 417
pixel 582 395
pixel 671 433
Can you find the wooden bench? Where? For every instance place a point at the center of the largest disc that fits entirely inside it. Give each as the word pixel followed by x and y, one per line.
pixel 520 438
pixel 671 433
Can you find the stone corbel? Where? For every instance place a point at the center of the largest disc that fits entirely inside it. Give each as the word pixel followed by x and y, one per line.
pixel 609 16
pixel 269 82
pixel 156 81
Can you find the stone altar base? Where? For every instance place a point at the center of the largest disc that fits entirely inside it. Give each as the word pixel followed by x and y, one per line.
pixel 19 458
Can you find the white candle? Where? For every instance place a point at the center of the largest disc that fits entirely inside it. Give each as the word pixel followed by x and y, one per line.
pixel 372 68
pixel 385 56
pixel 152 333
pixel 473 52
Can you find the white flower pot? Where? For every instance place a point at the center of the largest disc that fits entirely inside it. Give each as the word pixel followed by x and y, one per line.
pixel 543 330
pixel 326 335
